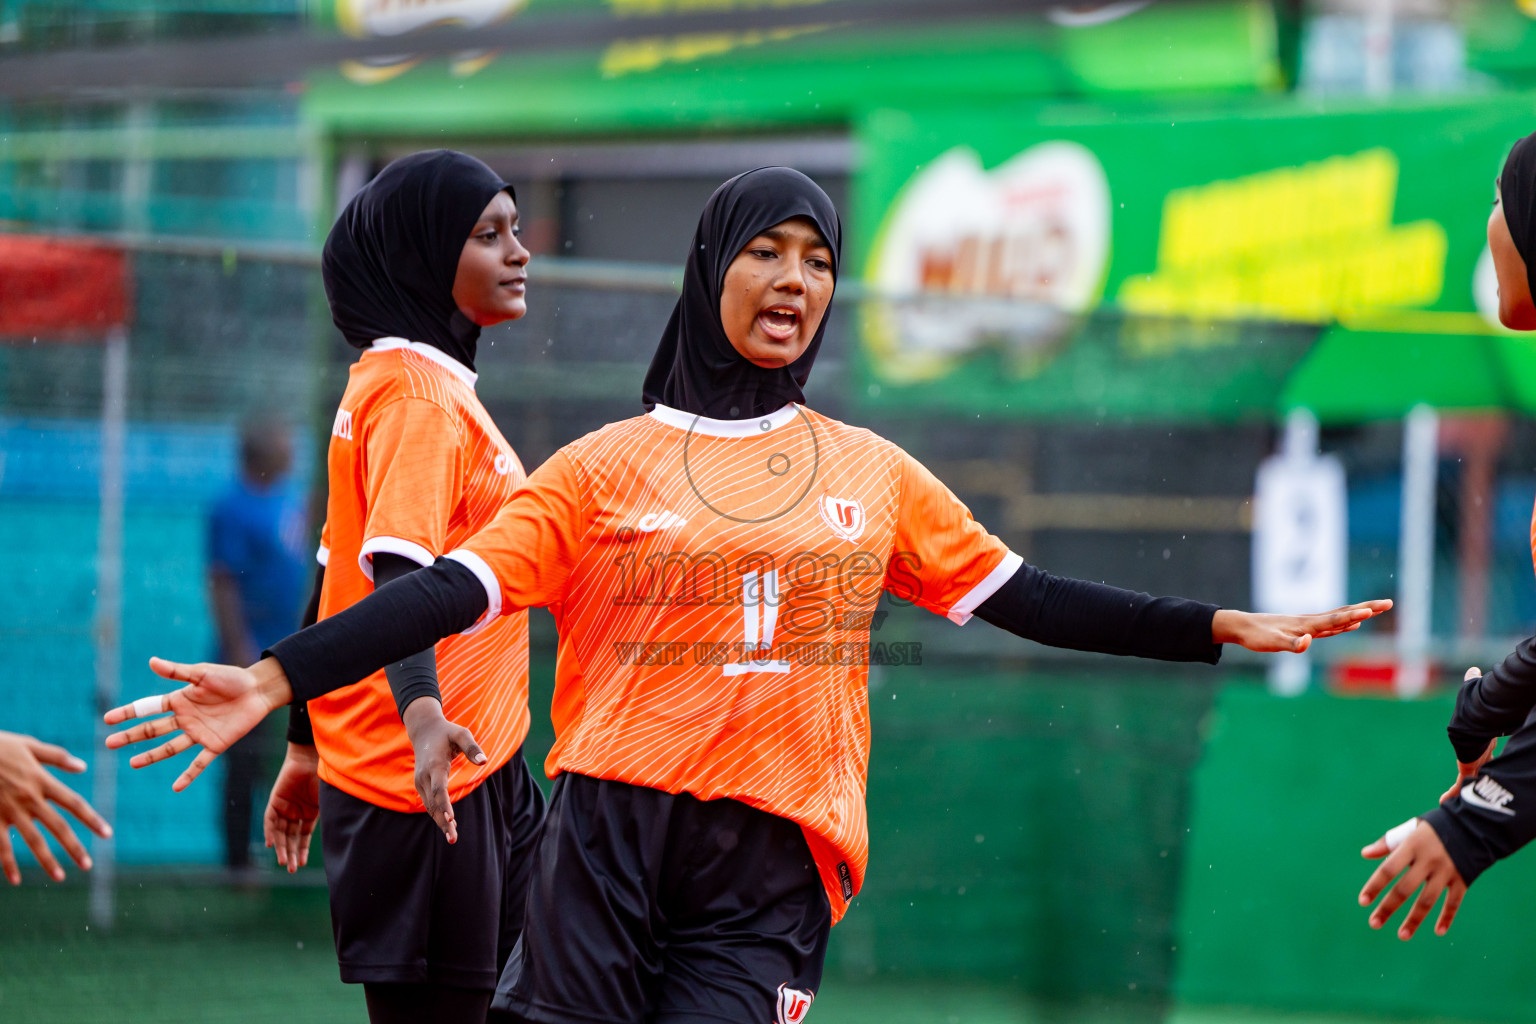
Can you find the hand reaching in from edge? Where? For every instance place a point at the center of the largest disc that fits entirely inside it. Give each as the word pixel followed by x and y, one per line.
pixel 220 704
pixel 1420 860
pixel 27 795
pixel 294 807
pixel 436 742
pixel 1466 771
pixel 1270 634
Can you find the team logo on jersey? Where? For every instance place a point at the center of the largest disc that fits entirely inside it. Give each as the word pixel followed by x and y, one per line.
pixel 844 515
pixel 794 1004
pixel 342 428
pixel 653 521
pixel 503 464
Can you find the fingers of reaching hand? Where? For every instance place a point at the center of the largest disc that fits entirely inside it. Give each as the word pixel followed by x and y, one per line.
pixel 1382 876
pixel 1454 894
pixel 8 857
pixel 432 787
pixel 143 731
pixel 54 822
pixel 1376 850
pixel 58 757
pixel 203 759
pixel 285 855
pixel 39 847
pixel 77 805
pixel 305 837
pixel 1399 894
pixel 442 809
pixel 176 670
pixel 463 742
pixel 287 829
pixel 293 830
pixel 176 745
pixel 271 831
pixel 1434 885
pixel 144 707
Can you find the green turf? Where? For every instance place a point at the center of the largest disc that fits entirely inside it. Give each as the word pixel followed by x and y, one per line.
pixel 206 953
pixel 201 952
pixel 1247 1015
pixel 179 954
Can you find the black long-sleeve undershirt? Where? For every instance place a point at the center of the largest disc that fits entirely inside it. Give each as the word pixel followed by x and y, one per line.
pixel 1498 817
pixel 1083 616
pixel 445 598
pixel 300 730
pixel 1495 703
pixel 415 675
pixel 396 621
pixel 409 678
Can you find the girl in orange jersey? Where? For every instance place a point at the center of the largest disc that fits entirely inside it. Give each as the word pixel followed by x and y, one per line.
pixel 422 258
pixel 713 566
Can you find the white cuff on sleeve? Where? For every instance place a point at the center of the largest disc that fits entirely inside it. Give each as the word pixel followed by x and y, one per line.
pixel 475 564
pixel 960 611
pixel 391 546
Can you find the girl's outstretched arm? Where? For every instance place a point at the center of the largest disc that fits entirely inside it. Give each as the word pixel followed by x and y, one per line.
pixel 1084 616
pixel 221 703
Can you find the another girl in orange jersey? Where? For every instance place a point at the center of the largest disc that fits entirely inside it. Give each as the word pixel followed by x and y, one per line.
pixel 713 566
pixel 422 258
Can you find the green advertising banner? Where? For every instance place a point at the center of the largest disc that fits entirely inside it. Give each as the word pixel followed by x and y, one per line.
pixel 1191 256
pixel 802 75
pixel 1500 39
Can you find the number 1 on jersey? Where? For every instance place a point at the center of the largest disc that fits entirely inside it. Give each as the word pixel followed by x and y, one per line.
pixel 759 615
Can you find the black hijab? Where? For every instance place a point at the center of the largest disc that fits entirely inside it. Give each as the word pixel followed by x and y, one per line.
pixel 390 259
pixel 1517 192
pixel 695 368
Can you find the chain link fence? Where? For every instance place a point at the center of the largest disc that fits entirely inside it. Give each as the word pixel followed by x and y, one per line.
pixel 985 755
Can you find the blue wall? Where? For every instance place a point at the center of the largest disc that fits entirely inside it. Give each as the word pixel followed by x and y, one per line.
pixel 48 522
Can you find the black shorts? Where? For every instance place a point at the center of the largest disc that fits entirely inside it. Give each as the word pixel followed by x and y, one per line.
pixel 648 908
pixel 407 907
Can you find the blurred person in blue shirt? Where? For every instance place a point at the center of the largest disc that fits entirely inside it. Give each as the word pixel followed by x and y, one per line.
pixel 256 576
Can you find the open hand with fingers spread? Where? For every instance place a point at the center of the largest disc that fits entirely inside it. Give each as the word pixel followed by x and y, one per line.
pixel 27 795
pixel 294 807
pixel 219 705
pixel 1269 634
pixel 436 742
pixel 1420 864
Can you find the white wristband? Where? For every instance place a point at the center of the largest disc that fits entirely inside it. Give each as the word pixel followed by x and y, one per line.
pixel 146 706
pixel 1396 836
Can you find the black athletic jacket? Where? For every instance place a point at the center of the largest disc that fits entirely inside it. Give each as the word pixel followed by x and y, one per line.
pixel 1495 814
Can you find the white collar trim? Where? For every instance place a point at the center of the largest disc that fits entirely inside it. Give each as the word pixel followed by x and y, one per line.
pixel 438 356
pixel 725 428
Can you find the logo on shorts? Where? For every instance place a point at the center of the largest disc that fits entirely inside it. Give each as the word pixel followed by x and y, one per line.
pixel 844 515
pixel 794 1004
pixel 503 464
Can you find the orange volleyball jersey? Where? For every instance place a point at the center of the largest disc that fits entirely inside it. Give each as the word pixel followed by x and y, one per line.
pixel 714 584
pixel 416 467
